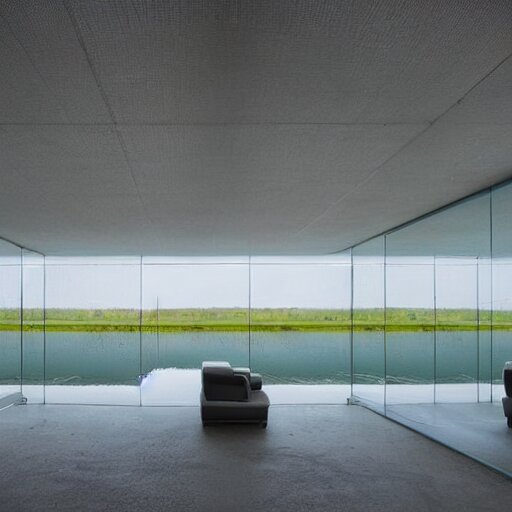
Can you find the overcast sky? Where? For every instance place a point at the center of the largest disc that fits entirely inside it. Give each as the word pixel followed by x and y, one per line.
pixel 199 286
pixel 302 285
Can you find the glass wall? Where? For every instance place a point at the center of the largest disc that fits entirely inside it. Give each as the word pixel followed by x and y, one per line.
pixel 92 330
pixel 484 314
pixel 410 338
pixel 501 349
pixel 419 315
pixel 33 332
pixel 193 310
pixel 438 281
pixel 447 324
pixel 300 326
pixel 11 367
pixel 462 257
pixel 369 363
pixel 135 331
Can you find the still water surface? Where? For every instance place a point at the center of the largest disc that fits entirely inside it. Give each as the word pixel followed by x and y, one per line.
pixel 283 358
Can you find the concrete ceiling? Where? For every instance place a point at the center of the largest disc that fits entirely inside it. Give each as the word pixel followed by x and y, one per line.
pixel 245 127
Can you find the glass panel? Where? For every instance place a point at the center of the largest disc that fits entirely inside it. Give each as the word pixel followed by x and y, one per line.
pixel 484 329
pixel 456 330
pixel 462 230
pixel 501 322
pixel 10 319
pixel 409 319
pixel 502 286
pixel 191 313
pixel 456 240
pixel 300 329
pixel 409 333
pixel 92 333
pixel 460 241
pixel 33 327
pixel 368 321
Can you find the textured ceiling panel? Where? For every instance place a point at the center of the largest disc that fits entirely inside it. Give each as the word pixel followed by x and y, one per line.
pixel 86 160
pixel 246 160
pixel 309 61
pixel 69 183
pixel 68 224
pixel 241 127
pixel 488 103
pixel 441 166
pixel 44 73
pixel 251 180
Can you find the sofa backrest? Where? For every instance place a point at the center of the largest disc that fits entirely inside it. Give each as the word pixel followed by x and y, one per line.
pixel 221 384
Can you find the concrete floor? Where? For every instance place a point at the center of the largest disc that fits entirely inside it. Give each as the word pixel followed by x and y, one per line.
pixel 94 458
pixel 478 430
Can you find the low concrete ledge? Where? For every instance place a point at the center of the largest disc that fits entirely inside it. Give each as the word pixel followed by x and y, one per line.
pixel 11 399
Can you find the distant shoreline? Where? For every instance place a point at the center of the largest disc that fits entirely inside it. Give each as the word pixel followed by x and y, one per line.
pixel 259 320
pixel 163 329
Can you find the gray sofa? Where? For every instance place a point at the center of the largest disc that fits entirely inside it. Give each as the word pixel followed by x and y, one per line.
pixel 507 400
pixel 232 395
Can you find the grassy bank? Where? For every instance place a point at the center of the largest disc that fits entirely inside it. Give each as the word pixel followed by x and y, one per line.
pixel 268 320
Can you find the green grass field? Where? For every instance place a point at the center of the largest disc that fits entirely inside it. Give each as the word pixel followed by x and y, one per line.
pixel 232 319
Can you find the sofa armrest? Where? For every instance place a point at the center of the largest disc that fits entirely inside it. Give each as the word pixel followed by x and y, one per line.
pixel 256 382
pixel 254 379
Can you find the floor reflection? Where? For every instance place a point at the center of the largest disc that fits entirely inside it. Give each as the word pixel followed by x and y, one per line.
pixel 478 430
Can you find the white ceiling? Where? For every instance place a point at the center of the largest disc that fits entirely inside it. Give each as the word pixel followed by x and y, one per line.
pixel 243 127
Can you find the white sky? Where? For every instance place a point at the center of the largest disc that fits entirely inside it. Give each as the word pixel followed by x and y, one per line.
pixel 272 285
pixel 199 286
pixel 10 286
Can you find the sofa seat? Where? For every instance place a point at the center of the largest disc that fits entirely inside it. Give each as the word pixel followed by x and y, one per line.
pixel 254 410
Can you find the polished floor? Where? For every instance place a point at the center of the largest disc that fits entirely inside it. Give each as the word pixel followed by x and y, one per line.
pixel 102 458
pixel 478 430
